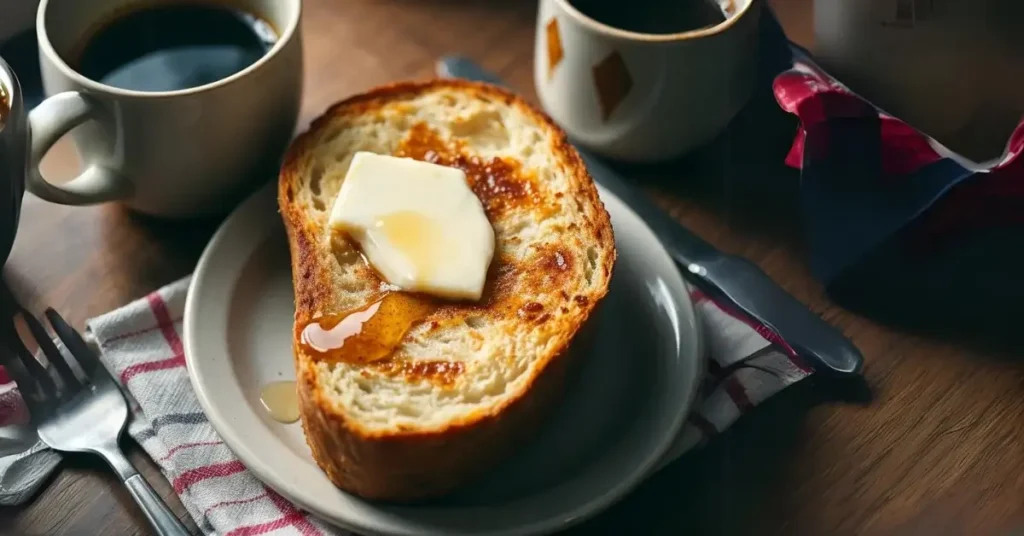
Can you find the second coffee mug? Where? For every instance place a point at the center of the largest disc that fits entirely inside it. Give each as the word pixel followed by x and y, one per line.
pixel 176 150
pixel 645 80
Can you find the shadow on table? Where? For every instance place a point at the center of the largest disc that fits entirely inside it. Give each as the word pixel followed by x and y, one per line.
pixel 125 256
pixel 969 293
pixel 721 487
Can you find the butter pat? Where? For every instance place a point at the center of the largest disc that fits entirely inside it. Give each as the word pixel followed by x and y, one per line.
pixel 418 224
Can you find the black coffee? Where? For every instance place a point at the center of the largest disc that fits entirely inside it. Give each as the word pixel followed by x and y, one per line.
pixel 175 46
pixel 653 16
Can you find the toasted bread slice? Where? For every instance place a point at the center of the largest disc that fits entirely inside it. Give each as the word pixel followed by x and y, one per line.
pixel 468 382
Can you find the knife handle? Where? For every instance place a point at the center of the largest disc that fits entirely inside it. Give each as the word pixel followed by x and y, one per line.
pixel 746 286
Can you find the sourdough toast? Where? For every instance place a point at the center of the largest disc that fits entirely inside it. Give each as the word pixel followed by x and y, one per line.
pixel 469 381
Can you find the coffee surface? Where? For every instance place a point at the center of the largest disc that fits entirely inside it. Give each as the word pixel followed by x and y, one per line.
pixel 174 46
pixel 653 16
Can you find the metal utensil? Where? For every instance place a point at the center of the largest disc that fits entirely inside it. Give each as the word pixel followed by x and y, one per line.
pixel 728 276
pixel 15 439
pixel 79 413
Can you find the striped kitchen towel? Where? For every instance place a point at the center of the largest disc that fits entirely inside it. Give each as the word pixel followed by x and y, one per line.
pixel 141 346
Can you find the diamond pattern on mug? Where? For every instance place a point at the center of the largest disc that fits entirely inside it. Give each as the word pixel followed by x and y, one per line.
pixel 612 81
pixel 555 51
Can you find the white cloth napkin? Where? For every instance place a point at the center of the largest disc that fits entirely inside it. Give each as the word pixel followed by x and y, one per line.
pixel 141 345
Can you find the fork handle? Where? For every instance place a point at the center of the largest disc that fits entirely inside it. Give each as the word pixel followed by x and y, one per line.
pixel 163 520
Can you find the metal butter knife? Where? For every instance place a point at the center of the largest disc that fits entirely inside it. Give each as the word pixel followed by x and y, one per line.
pixel 734 278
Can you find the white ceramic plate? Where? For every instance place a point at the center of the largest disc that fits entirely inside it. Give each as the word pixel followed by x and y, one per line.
pixel 623 408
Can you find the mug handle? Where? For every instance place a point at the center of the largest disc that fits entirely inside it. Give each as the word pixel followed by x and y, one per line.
pixel 48 122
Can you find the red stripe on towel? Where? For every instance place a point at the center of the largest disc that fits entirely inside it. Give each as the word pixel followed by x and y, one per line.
pixel 163 364
pixel 188 446
pixel 192 477
pixel 166 324
pixel 136 333
pixel 297 519
pixel 262 528
pixel 738 394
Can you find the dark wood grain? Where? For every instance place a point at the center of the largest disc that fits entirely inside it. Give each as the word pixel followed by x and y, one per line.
pixel 939 449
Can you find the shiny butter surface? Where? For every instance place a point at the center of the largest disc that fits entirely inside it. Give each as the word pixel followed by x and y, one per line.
pixel 418 223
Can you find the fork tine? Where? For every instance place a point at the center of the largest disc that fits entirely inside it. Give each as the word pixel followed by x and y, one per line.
pixel 27 385
pixel 9 356
pixel 45 388
pixel 32 372
pixel 75 344
pixel 52 353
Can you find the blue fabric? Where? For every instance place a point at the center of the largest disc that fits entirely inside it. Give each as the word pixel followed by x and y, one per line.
pixel 849 206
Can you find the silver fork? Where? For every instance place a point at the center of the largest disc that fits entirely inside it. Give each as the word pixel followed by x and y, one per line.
pixel 79 413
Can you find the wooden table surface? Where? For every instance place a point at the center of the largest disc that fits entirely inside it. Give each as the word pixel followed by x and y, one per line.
pixel 938 450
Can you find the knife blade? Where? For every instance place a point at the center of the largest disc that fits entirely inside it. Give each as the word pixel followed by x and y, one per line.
pixel 731 277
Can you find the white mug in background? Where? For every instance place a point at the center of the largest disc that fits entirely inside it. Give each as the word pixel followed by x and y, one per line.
pixel 643 97
pixel 951 68
pixel 170 153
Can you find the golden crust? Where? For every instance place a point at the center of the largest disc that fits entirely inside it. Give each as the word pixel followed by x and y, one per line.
pixel 406 464
pixel 415 466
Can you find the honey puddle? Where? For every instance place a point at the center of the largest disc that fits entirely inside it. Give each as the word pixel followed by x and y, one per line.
pixel 281 401
pixel 365 335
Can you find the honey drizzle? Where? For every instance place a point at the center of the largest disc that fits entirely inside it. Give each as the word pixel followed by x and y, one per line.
pixel 368 334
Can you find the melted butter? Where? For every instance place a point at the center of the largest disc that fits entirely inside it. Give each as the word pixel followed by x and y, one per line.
pixel 416 236
pixel 365 335
pixel 281 401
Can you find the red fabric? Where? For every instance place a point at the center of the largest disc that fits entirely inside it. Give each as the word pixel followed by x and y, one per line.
pixel 987 199
pixel 815 98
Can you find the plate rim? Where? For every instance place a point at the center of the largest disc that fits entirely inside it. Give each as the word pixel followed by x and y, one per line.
pixel 654 460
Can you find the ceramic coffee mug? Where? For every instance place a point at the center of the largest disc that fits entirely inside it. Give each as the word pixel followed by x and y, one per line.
pixel 13 142
pixel 173 153
pixel 643 97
